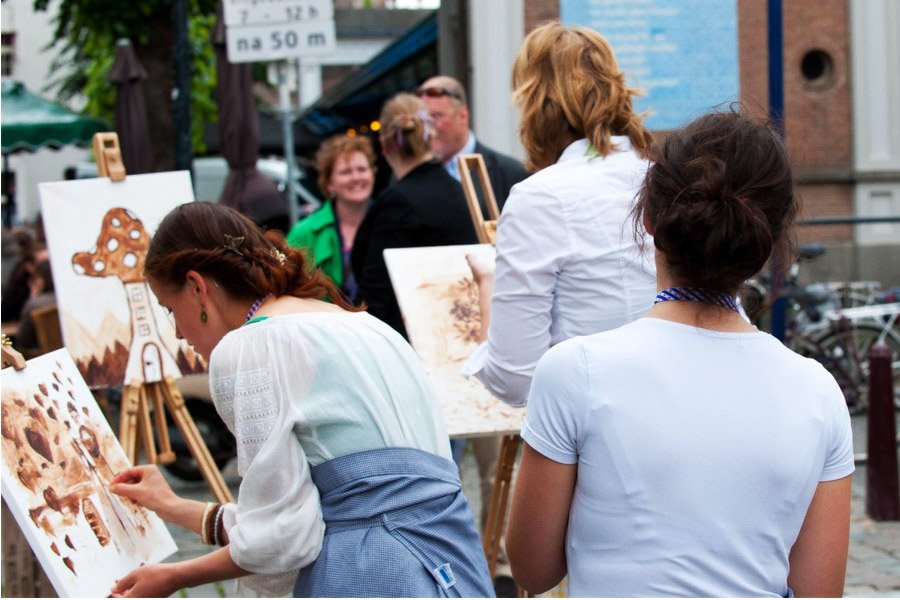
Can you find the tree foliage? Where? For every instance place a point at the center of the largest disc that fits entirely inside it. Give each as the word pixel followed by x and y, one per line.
pixel 85 35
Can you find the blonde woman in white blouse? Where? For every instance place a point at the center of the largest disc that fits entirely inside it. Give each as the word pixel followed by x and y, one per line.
pixel 347 480
pixel 567 263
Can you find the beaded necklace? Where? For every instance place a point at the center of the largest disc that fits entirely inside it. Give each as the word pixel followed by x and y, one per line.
pixel 255 306
pixel 694 294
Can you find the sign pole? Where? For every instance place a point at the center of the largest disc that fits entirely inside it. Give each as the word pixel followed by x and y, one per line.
pixel 280 31
pixel 288 128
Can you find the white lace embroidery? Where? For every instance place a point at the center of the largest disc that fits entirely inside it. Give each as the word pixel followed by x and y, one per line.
pixel 254 412
pixel 223 397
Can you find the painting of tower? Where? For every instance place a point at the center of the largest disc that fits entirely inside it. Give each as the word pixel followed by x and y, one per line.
pixel 98 233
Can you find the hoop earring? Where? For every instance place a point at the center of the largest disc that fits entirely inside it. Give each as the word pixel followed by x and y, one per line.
pixel 204 317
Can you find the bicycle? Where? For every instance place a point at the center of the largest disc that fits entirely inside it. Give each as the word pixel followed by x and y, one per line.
pixel 839 338
pixel 841 341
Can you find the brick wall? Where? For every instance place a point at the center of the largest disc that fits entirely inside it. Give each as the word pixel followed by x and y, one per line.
pixel 825 200
pixel 539 11
pixel 754 59
pixel 817 109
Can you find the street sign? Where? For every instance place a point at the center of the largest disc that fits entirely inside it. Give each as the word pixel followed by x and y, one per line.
pixel 263 30
pixel 280 41
pixel 253 12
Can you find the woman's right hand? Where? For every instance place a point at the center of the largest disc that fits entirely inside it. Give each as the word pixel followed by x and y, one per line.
pixel 146 485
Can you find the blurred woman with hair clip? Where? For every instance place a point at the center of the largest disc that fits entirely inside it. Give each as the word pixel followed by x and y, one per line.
pixel 425 206
pixel 346 168
pixel 566 263
pixel 688 453
pixel 347 484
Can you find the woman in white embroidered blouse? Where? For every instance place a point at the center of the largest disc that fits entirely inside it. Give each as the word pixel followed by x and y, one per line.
pixel 321 399
pixel 567 264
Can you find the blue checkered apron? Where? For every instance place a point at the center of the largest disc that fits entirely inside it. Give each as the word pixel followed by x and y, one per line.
pixel 397 525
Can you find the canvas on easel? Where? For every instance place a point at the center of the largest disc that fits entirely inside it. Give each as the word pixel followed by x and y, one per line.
pixel 59 456
pixel 98 234
pixel 438 299
pixel 98 231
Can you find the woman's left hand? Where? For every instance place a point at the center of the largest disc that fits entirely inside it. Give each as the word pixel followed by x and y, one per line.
pixel 483 274
pixel 149 581
pixel 482 270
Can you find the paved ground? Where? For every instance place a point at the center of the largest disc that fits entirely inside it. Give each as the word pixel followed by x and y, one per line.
pixel 873 568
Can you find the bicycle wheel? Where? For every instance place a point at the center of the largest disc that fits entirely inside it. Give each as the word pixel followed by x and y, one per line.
pixel 850 364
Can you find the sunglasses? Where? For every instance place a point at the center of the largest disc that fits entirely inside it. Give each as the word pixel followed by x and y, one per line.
pixel 437 92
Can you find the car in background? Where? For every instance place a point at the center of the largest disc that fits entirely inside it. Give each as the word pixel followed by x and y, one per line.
pixel 210 172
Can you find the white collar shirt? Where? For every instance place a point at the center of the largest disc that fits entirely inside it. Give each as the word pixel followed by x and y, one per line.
pixel 452 166
pixel 568 263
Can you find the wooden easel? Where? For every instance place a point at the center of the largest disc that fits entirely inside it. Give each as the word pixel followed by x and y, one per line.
pixel 139 396
pixel 108 155
pixel 486 230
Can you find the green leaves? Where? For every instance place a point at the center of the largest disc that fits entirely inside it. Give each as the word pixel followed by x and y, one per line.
pixel 86 33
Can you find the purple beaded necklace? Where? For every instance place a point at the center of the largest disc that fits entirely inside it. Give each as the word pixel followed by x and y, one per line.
pixel 255 306
pixel 694 294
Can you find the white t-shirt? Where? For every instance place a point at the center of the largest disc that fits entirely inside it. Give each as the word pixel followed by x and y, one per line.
pixel 698 454
pixel 296 391
pixel 567 263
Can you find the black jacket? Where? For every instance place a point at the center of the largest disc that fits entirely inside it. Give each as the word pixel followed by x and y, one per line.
pixel 425 208
pixel 504 172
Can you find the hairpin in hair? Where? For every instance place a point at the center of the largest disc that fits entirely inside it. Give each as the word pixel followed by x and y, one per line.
pixel 279 256
pixel 425 117
pixel 234 243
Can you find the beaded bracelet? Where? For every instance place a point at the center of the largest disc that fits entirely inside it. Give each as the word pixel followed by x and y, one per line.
pixel 211 523
pixel 217 538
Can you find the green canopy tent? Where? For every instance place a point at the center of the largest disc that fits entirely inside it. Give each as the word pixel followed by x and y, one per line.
pixel 30 122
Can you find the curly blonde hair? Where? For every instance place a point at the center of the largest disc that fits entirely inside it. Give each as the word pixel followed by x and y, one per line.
pixel 568 86
pixel 406 126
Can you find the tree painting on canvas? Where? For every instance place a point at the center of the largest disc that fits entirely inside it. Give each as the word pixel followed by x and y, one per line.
pixel 98 233
pixel 438 299
pixel 59 455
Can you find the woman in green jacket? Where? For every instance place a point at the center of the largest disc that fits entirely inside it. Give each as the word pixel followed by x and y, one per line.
pixel 346 177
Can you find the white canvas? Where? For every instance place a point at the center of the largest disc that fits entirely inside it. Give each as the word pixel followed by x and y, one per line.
pixel 98 231
pixel 59 455
pixel 438 299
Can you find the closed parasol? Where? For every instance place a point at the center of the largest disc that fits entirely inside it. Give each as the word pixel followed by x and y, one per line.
pixel 246 189
pixel 129 74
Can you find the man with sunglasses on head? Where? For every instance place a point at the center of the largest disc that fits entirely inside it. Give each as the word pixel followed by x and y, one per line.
pixel 446 100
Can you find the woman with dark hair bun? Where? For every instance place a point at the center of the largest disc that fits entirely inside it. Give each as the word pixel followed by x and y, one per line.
pixel 346 474
pixel 688 453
